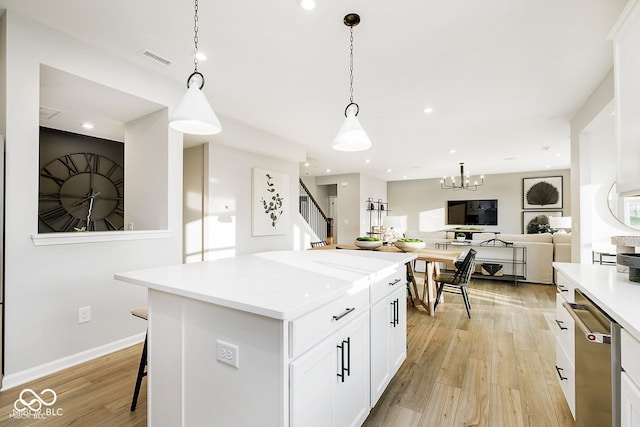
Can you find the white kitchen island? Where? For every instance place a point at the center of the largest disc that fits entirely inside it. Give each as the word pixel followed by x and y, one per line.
pixel 307 338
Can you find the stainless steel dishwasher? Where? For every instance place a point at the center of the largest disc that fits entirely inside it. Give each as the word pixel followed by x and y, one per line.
pixel 597 364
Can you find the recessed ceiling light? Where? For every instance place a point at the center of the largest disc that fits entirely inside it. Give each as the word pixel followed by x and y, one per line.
pixel 368 161
pixel 558 155
pixel 388 170
pixel 87 125
pixel 306 164
pixel 452 151
pixel 404 176
pixel 328 170
pixel 307 4
pixel 547 166
pixel 201 56
pixel 428 110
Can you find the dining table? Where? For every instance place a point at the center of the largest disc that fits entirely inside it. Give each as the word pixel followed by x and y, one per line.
pixel 432 259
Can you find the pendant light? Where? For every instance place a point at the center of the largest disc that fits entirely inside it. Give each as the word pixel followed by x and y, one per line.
pixel 465 182
pixel 351 136
pixel 194 114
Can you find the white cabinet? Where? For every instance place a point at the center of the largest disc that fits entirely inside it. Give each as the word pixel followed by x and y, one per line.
pixel 626 37
pixel 629 401
pixel 330 382
pixel 565 342
pixel 388 340
pixel 630 381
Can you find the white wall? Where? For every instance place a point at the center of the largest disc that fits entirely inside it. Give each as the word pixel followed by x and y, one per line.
pixel 593 168
pixel 45 285
pixel 228 221
pixel 424 202
pixel 350 205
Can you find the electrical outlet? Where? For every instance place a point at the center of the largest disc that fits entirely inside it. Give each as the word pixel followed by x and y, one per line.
pixel 130 226
pixel 228 353
pixel 84 314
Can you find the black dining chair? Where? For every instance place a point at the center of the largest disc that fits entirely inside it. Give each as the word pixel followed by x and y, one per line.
pixel 320 243
pixel 457 281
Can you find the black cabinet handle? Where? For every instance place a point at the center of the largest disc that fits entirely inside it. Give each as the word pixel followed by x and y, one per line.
pixel 394 282
pixel 345 365
pixel 395 306
pixel 558 369
pixel 341 315
pixel 562 288
pixel 560 325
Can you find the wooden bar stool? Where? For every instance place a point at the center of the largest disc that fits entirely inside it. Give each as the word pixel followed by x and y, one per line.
pixel 143 314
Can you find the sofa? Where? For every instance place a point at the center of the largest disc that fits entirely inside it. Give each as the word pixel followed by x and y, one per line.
pixel 542 249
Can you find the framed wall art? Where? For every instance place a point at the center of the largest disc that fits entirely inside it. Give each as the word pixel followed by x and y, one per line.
pixel 534 222
pixel 269 202
pixel 542 193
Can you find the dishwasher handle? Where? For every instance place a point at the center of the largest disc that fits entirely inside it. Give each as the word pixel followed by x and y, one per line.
pixel 591 336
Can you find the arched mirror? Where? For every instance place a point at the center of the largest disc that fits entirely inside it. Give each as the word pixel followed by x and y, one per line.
pixel 624 209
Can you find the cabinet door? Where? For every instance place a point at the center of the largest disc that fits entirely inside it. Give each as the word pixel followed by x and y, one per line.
pixel 630 402
pixel 351 396
pixel 313 377
pixel 381 317
pixel 398 344
pixel 329 384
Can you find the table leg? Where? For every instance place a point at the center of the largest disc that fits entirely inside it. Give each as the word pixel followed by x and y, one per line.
pixel 429 283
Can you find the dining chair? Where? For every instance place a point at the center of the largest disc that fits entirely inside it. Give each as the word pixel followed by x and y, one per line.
pixel 457 281
pixel 142 313
pixel 320 243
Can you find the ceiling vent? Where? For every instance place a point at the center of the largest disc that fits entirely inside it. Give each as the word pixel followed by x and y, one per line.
pixel 156 58
pixel 47 113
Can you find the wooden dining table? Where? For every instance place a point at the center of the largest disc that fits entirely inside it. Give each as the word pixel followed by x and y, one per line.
pixel 431 258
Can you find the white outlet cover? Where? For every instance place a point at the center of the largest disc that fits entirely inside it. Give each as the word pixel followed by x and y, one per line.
pixel 228 353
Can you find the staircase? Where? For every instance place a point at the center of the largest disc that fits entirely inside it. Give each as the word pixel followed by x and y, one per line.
pixel 312 213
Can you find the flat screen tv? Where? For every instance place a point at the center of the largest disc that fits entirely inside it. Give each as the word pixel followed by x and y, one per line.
pixel 472 212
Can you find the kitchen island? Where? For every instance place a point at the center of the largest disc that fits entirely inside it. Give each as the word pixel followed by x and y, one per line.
pixel 286 338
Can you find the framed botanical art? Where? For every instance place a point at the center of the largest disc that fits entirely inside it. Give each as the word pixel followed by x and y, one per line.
pixel 542 193
pixel 534 222
pixel 269 202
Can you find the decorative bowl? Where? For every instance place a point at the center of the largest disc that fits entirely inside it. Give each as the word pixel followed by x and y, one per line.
pixel 633 262
pixel 368 244
pixel 408 246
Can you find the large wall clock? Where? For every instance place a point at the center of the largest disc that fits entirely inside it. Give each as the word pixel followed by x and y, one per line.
pixel 81 191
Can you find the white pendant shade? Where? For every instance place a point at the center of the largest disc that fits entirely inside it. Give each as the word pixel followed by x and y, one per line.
pixel 194 114
pixel 351 136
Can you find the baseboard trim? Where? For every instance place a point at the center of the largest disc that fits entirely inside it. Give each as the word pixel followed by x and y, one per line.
pixel 22 377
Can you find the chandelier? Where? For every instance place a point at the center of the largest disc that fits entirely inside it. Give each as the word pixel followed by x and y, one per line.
pixel 464 183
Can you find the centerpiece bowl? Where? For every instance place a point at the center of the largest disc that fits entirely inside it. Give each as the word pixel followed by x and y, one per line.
pixel 409 245
pixel 368 242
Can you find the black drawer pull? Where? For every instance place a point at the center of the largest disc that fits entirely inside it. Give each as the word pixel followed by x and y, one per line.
pixel 394 282
pixel 341 315
pixel 562 288
pixel 558 369
pixel 560 325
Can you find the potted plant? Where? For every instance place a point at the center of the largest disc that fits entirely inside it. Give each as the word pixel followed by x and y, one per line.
pixel 461 237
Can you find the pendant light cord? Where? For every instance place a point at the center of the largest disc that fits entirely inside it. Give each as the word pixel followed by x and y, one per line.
pixel 195 37
pixel 350 65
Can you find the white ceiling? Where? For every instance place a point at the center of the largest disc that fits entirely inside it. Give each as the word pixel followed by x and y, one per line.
pixel 504 77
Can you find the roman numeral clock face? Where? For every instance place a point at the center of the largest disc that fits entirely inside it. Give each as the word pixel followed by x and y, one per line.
pixel 81 190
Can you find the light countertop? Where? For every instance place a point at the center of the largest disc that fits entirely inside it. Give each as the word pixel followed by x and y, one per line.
pixel 613 292
pixel 280 284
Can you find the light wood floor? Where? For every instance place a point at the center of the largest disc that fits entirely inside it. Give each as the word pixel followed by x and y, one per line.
pixel 496 369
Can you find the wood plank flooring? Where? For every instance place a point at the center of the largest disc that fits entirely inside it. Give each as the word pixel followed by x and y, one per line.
pixel 496 369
